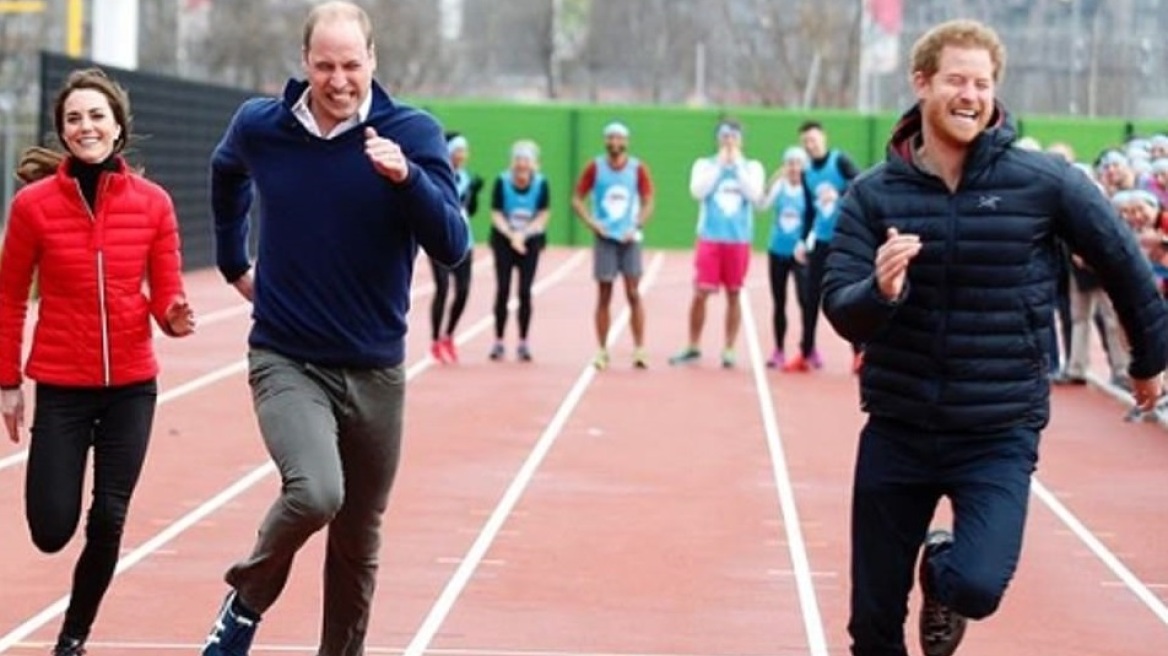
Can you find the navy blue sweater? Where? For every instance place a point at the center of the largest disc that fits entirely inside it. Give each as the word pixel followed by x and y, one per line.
pixel 337 241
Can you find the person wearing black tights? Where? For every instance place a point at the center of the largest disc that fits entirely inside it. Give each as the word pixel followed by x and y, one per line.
pixel 442 346
pixel 519 217
pixel 103 245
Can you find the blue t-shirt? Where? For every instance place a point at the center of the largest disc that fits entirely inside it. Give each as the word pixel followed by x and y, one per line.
pixel 726 214
pixel 787 224
pixel 826 184
pixel 616 200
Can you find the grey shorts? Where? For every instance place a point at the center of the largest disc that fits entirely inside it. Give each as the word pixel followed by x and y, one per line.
pixel 612 258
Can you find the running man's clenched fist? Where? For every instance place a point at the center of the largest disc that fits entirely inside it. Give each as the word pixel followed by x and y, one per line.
pixel 387 156
pixel 892 259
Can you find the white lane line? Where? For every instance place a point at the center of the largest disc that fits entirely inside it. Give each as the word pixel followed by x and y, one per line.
pixel 214 376
pixel 176 528
pixel 1105 555
pixel 800 563
pixel 263 648
pixel 420 643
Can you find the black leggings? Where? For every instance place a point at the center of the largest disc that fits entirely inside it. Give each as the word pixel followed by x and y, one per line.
pixel 442 275
pixel 506 260
pixel 816 268
pixel 781 268
pixel 115 422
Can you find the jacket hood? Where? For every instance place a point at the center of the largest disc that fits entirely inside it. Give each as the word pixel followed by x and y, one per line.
pixel 998 135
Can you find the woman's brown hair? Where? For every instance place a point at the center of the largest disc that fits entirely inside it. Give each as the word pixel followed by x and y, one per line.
pixel 39 162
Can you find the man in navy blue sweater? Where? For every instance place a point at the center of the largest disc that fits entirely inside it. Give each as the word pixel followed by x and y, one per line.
pixel 350 183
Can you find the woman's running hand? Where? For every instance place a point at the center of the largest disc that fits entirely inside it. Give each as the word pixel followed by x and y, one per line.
pixel 180 318
pixel 12 407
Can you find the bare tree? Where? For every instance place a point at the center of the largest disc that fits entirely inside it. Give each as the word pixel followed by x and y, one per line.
pixel 253 45
pixel 157 35
pixel 409 47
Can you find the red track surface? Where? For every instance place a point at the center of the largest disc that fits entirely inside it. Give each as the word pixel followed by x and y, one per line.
pixel 545 509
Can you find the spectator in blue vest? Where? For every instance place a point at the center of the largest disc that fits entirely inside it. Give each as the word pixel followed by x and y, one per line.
pixel 352 182
pixel 825 179
pixel 622 201
pixel 520 209
pixel 786 203
pixel 727 186
pixel 443 325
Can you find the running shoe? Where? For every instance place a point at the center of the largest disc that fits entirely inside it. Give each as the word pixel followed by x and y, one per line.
pixel 941 629
pixel 232 632
pixel 729 359
pixel 640 359
pixel 797 364
pixel 449 349
pixel 524 352
pixel 601 360
pixel 687 355
pixel 497 352
pixel 437 352
pixel 776 360
pixel 67 646
pixel 813 360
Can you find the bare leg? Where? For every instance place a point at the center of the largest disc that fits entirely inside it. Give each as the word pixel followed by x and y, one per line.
pixel 603 315
pixel 636 310
pixel 733 318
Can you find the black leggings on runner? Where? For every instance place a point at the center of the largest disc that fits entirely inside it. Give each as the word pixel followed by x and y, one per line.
pixel 115 422
pixel 442 275
pixel 507 260
pixel 781 268
pixel 816 267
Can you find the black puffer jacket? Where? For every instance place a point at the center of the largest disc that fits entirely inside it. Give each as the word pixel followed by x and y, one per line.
pixel 965 349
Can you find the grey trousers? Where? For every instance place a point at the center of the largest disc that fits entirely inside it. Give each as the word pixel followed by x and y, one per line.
pixel 335 436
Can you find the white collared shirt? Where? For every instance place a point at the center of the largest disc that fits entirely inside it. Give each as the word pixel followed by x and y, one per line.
pixel 304 115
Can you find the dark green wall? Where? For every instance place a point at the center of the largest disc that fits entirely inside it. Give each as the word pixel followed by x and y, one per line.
pixel 668 139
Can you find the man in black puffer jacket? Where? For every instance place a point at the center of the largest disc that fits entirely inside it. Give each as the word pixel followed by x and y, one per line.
pixel 944 265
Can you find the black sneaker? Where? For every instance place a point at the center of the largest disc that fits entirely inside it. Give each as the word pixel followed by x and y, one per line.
pixel 941 628
pixel 232 633
pixel 67 646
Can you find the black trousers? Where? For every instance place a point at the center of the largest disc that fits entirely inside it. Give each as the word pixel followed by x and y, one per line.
pixel 507 261
pixel 780 268
pixel 442 276
pixel 115 423
pixel 901 475
pixel 816 268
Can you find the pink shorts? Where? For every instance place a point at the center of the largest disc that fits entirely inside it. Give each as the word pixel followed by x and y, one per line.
pixel 721 265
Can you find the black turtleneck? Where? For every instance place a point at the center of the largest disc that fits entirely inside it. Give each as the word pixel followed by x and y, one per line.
pixel 87 175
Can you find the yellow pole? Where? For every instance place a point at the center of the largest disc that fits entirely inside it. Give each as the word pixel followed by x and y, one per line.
pixel 74 21
pixel 21 6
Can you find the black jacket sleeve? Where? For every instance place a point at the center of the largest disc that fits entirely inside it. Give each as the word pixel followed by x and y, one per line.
pixel 852 301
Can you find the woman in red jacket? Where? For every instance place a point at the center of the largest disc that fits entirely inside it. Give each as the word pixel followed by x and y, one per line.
pixel 92 230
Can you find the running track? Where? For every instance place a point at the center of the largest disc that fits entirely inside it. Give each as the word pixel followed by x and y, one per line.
pixel 546 510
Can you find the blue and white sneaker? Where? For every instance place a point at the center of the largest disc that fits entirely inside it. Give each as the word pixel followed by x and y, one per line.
pixel 232 633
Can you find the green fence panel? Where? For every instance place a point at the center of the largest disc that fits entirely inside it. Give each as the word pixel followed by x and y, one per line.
pixel 1147 128
pixel 669 139
pixel 1087 137
pixel 491 129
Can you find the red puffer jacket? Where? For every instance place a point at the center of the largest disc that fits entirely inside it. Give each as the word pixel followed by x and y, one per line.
pixel 93 326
